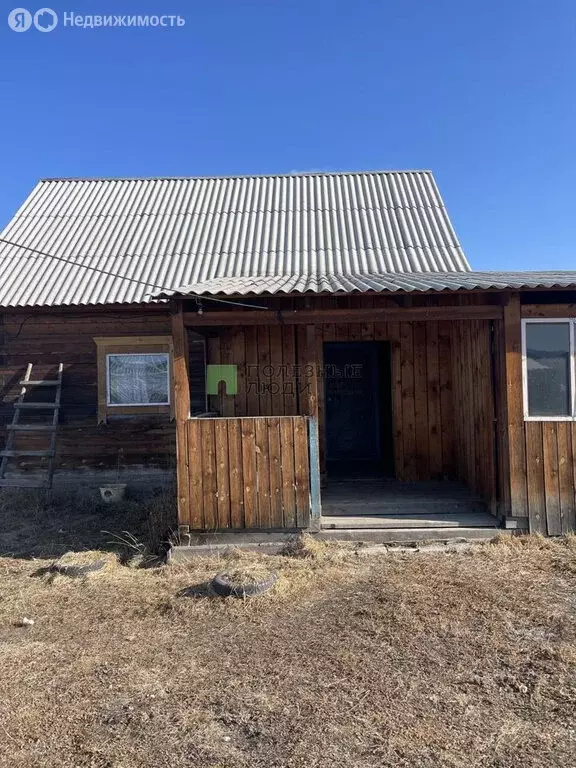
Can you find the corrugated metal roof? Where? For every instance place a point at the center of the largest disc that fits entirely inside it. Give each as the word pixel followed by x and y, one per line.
pixel 423 281
pixel 167 233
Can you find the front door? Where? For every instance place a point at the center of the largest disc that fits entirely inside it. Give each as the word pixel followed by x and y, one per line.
pixel 354 401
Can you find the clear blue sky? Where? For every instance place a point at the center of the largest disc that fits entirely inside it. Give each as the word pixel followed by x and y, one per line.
pixel 483 93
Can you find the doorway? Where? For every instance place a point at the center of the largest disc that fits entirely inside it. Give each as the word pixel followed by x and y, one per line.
pixel 358 409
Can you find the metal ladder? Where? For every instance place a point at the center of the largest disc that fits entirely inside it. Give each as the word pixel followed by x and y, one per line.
pixel 16 427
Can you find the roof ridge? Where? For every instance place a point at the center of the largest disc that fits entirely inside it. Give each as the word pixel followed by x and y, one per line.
pixel 289 174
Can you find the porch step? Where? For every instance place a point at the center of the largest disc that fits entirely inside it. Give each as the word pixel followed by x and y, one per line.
pixel 403 521
pixel 402 507
pixel 414 536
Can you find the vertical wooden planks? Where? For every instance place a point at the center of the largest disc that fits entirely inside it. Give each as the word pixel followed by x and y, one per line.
pixel 565 476
pixel 408 404
pixel 263 473
pixel 239 360
pixel 434 407
pixel 446 398
pixel 209 477
pixel 235 463
pixel 394 336
pixel 222 472
pixel 277 380
pixel 264 370
pixel 421 402
pixel 289 383
pixel 252 368
pixel 195 474
pixel 535 477
pixel 288 472
pixel 275 459
pixel 249 472
pixel 551 484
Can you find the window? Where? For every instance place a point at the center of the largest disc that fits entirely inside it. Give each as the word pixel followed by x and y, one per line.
pixel 548 369
pixel 141 379
pixel 134 376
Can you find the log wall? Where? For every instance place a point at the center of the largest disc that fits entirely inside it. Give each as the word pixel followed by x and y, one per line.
pixel 137 443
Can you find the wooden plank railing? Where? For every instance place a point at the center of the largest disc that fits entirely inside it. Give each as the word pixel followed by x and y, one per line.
pixel 248 473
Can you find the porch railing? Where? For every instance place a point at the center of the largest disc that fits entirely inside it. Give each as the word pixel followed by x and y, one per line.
pixel 248 472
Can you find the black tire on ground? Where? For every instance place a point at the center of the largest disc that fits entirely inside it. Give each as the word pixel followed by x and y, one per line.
pixel 222 586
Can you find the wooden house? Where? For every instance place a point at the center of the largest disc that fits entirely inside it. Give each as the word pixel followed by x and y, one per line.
pixel 301 352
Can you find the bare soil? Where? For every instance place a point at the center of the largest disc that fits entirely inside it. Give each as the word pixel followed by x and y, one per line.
pixel 419 659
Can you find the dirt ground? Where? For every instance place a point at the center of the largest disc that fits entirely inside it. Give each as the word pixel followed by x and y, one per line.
pixel 412 659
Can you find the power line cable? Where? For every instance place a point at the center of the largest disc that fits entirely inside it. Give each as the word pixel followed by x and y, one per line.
pixel 125 277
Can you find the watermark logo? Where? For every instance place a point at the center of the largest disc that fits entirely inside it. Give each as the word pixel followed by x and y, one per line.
pixel 217 373
pixel 21 19
pixel 46 19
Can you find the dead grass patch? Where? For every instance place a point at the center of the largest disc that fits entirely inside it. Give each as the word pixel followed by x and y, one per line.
pixel 433 660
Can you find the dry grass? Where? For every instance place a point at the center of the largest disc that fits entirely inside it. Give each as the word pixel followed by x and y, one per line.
pixel 33 524
pixel 397 660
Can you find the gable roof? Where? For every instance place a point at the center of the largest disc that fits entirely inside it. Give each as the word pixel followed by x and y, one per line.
pixel 224 233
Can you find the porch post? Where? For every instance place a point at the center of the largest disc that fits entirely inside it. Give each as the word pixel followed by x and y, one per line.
pixel 312 409
pixel 514 407
pixel 182 413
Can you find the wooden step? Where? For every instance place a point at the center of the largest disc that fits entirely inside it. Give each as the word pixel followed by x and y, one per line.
pixel 17 454
pixel 36 406
pixel 31 427
pixel 41 383
pixel 24 482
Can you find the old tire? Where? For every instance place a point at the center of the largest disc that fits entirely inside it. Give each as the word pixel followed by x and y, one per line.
pixel 76 571
pixel 222 586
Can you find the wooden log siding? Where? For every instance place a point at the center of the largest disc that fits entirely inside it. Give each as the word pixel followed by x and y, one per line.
pixel 44 338
pixel 248 473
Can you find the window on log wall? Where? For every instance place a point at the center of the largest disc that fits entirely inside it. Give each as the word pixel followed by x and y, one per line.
pixel 548 358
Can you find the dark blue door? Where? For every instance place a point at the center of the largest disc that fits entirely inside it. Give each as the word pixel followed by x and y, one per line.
pixel 352 401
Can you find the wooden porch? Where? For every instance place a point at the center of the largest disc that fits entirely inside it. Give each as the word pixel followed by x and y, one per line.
pixel 388 504
pixel 260 459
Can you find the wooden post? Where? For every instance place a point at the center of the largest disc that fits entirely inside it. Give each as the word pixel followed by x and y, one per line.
pixel 515 407
pixel 182 413
pixel 311 405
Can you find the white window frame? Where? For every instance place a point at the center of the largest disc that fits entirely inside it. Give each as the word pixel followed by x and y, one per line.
pixel 136 354
pixel 571 321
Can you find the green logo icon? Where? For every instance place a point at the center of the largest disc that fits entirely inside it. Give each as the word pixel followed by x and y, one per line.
pixel 217 373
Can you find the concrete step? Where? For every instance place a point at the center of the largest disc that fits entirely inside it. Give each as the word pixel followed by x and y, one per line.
pixel 407 535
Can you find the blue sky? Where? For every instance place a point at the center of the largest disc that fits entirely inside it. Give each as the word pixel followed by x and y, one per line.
pixel 483 93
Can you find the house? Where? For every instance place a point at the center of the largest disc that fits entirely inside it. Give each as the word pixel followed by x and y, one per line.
pixel 302 351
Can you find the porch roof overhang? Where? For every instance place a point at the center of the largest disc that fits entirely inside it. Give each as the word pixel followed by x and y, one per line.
pixel 393 282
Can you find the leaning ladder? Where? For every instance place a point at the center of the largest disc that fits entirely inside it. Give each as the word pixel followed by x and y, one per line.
pixel 49 428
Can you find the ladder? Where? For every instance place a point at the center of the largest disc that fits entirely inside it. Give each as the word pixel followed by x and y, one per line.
pixel 48 429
